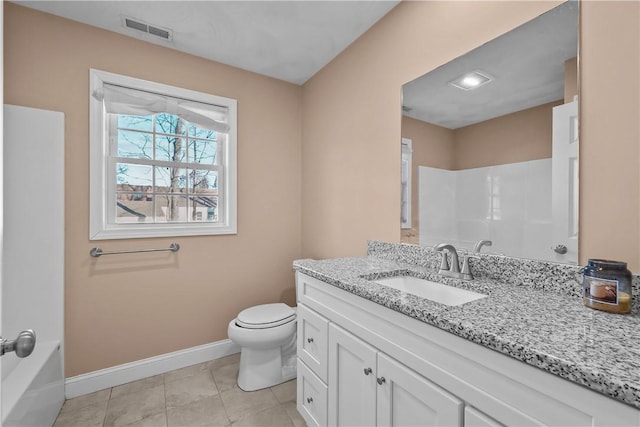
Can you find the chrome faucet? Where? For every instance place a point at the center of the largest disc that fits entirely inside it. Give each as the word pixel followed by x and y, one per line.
pixel 444 266
pixel 454 270
pixel 480 244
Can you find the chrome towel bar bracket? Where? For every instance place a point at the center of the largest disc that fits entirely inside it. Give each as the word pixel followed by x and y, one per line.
pixel 97 252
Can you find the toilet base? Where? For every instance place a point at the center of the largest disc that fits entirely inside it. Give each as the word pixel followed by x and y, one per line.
pixel 266 367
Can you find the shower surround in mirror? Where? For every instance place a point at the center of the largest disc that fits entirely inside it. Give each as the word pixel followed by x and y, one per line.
pixel 481 139
pixel 508 204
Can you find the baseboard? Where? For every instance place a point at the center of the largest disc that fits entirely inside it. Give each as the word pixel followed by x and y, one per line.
pixel 122 374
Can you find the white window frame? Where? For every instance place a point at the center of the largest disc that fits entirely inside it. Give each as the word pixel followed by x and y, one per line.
pixel 100 225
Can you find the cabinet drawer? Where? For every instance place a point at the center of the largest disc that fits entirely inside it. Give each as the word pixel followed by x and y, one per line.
pixel 311 396
pixel 312 340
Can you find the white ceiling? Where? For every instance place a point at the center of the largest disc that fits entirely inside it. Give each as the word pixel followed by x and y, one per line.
pixel 527 63
pixel 287 40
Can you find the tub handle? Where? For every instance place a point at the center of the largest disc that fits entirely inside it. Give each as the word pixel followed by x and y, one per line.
pixel 23 345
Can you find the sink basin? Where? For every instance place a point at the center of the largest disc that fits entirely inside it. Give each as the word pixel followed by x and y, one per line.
pixel 433 291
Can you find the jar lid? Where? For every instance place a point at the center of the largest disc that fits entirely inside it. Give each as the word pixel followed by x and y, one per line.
pixel 607 264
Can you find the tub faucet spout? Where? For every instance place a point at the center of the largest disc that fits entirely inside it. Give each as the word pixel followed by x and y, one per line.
pixel 480 244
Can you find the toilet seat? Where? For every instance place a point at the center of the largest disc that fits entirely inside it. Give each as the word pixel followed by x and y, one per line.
pixel 265 316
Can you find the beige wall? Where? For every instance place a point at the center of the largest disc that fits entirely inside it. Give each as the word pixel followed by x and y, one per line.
pixel 129 307
pixel 570 79
pixel 359 95
pixel 352 116
pixel 517 137
pixel 609 66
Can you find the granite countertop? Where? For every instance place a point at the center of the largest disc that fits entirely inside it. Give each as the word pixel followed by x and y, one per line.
pixel 538 326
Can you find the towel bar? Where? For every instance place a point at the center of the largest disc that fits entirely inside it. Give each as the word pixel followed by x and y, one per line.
pixel 97 252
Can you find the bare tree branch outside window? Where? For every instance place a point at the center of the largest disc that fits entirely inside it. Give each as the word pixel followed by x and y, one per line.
pixel 166 170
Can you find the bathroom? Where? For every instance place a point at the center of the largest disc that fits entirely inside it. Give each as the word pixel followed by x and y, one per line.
pixel 330 144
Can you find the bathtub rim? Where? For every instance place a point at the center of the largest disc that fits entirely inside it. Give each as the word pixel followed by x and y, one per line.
pixel 16 384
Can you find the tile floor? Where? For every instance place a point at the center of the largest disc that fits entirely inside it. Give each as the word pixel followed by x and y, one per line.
pixel 199 395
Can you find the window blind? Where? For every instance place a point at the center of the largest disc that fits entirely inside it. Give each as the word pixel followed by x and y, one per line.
pixel 123 100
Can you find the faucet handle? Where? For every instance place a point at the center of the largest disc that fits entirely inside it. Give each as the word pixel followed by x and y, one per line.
pixel 466 269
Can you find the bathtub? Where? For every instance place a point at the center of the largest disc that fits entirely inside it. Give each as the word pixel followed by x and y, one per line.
pixel 33 387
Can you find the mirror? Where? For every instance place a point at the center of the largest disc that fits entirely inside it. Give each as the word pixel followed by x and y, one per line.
pixel 493 155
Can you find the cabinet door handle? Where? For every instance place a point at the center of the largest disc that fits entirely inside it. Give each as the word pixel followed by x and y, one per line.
pixel 309 399
pixel 309 340
pixel 367 371
pixel 381 380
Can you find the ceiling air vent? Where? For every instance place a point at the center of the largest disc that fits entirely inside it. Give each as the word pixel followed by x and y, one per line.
pixel 146 28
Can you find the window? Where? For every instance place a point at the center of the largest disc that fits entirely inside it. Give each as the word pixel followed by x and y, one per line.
pixel 163 160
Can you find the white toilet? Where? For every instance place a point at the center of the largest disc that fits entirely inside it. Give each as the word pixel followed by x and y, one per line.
pixel 266 335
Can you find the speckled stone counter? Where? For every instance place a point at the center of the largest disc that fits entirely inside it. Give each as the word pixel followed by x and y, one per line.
pixel 533 312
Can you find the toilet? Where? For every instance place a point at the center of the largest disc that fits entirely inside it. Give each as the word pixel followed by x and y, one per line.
pixel 266 335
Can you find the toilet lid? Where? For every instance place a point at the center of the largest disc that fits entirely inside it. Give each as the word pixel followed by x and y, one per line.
pixel 265 316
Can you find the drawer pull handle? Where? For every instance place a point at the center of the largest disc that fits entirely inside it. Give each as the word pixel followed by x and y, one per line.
pixel 309 340
pixel 367 371
pixel 309 399
pixel 381 380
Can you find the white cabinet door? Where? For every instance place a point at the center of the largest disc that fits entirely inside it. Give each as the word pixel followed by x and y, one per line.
pixel 475 418
pixel 352 380
pixel 408 399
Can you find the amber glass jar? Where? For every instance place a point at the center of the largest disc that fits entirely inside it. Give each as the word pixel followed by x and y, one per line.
pixel 607 286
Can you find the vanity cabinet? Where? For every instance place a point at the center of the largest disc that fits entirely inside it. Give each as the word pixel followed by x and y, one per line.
pixel 369 388
pixel 360 363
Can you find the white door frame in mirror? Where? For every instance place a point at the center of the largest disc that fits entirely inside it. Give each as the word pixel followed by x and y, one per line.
pixel 407 169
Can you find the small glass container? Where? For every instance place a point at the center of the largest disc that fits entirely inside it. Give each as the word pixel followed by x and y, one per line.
pixel 607 286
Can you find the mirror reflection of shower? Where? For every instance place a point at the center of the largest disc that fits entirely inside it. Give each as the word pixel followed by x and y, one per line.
pixel 484 163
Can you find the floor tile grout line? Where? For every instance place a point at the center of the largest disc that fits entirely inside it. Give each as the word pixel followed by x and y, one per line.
pixel 224 407
pixel 166 410
pixel 104 418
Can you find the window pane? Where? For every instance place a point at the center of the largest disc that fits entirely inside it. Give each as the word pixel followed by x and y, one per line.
pixel 171 208
pixel 203 209
pixel 130 176
pixel 204 152
pixel 133 208
pixel 202 133
pixel 171 180
pixel 143 123
pixel 135 145
pixel 170 148
pixel 203 181
pixel 170 124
